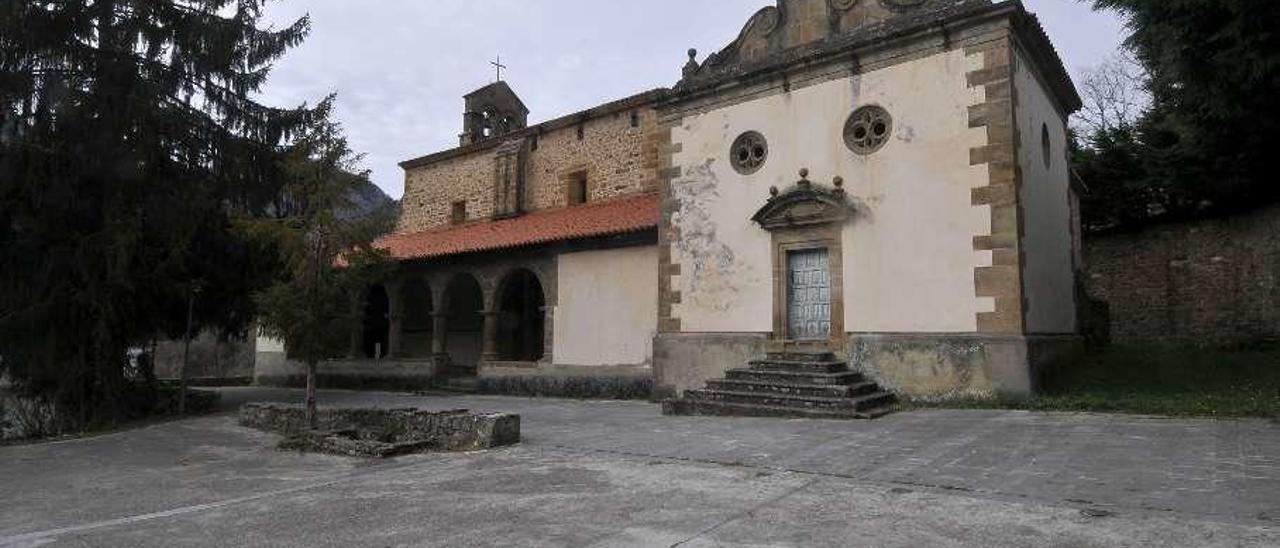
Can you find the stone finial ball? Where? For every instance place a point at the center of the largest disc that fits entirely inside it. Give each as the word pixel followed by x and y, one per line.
pixel 804 172
pixel 693 53
pixel 773 191
pixel 838 181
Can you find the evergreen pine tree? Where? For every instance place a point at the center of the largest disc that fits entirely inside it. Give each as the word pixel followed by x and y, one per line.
pixel 130 142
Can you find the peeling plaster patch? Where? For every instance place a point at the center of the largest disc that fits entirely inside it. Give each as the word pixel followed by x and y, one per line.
pixel 906 134
pixel 714 266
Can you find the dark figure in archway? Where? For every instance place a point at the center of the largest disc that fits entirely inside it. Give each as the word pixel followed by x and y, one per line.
pixel 522 323
pixel 377 324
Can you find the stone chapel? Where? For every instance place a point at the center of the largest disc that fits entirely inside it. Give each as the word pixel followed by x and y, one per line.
pixel 855 199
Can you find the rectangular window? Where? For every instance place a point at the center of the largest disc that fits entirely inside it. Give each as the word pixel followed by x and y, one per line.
pixel 459 212
pixel 635 119
pixel 578 189
pixel 582 131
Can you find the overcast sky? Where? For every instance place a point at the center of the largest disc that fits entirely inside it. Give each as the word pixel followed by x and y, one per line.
pixel 401 67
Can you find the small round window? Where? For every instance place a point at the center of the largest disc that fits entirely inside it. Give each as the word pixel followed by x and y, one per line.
pixel 868 129
pixel 1046 143
pixel 748 152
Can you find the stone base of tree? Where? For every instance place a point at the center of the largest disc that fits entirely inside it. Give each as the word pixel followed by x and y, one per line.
pixel 381 433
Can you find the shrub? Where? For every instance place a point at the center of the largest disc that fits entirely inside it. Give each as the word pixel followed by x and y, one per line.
pixel 34 418
pixel 576 387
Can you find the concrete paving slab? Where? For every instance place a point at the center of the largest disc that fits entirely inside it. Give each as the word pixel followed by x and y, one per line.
pixel 620 474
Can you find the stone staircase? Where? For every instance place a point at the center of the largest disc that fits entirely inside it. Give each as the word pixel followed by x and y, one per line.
pixel 806 385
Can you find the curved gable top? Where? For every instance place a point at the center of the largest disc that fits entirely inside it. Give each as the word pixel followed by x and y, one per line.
pixel 797 23
pixel 804 32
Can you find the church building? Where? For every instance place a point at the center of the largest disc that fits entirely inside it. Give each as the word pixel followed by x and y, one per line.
pixel 853 198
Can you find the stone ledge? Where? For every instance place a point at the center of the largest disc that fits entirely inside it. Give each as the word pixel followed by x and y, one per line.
pixel 383 432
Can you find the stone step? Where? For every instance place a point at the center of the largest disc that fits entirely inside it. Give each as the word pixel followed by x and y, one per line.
pixel 793 377
pixel 794 389
pixel 819 356
pixel 714 408
pixel 859 403
pixel 771 364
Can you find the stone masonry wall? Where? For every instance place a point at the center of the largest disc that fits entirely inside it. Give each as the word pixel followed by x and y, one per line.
pixel 429 191
pixel 1210 283
pixel 618 160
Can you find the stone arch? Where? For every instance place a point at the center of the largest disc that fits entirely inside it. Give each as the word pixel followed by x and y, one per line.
pixel 416 309
pixel 464 304
pixel 520 303
pixel 375 305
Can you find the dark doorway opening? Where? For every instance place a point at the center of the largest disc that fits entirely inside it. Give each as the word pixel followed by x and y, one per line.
pixel 377 324
pixel 416 322
pixel 522 319
pixel 465 325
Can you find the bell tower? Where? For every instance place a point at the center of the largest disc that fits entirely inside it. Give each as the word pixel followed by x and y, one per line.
pixel 492 111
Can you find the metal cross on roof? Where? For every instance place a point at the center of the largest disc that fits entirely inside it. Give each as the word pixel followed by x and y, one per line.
pixel 497 65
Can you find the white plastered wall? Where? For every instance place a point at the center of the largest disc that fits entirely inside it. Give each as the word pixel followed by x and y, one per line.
pixel 1048 278
pixel 908 256
pixel 608 309
pixel 269 344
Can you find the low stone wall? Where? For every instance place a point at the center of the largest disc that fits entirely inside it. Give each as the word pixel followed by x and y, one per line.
pixel 210 358
pixel 1209 283
pixel 385 432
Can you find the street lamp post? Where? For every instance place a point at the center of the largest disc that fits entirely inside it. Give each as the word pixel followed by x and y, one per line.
pixel 186 350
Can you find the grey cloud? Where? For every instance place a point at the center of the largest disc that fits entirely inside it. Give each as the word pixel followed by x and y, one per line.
pixel 400 67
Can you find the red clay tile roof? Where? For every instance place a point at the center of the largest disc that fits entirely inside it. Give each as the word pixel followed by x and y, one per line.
pixel 613 217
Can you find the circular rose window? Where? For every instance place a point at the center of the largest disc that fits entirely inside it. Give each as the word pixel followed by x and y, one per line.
pixel 748 152
pixel 868 129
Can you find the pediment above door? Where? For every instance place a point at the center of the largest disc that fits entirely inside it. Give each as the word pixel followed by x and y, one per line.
pixel 805 204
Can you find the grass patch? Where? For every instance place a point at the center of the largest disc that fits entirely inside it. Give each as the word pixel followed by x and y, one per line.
pixel 1158 381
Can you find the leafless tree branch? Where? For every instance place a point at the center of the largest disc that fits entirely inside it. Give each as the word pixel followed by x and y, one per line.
pixel 1115 94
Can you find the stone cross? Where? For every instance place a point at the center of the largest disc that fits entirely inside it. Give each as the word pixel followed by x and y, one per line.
pixel 497 65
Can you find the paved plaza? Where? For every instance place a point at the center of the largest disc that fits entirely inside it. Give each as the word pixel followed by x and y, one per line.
pixel 620 474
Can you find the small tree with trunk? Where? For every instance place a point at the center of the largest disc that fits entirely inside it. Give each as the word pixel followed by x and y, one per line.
pixel 326 244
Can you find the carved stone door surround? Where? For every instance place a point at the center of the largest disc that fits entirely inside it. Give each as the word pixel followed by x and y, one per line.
pixel 806 217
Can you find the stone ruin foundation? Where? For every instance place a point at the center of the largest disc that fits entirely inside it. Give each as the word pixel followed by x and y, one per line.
pixel 382 433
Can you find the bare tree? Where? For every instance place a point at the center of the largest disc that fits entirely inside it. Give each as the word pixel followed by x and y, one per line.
pixel 1115 94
